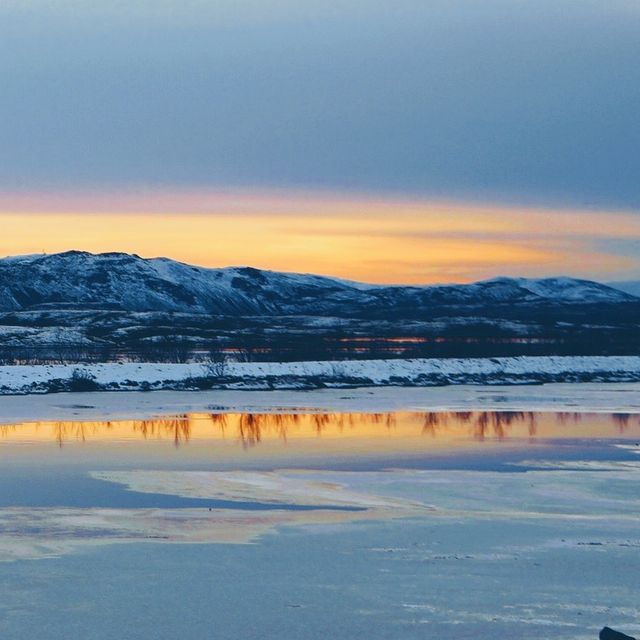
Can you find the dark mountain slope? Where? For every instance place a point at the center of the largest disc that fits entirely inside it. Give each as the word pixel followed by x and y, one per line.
pixel 127 282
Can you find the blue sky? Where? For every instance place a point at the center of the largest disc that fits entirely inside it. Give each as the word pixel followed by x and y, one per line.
pixel 517 103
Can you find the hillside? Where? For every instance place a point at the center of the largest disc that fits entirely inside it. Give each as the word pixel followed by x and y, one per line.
pixel 127 282
pixel 78 306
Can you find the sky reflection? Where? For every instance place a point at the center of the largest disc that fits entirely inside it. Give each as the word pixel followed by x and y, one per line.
pixel 329 430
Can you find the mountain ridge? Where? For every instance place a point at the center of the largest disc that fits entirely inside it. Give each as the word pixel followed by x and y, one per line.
pixel 132 283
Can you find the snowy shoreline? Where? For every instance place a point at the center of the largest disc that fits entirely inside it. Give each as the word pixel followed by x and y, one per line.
pixel 260 376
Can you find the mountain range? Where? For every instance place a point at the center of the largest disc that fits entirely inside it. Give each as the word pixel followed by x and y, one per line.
pixel 79 306
pixel 127 282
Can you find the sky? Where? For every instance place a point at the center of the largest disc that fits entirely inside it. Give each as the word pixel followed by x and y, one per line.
pixel 406 141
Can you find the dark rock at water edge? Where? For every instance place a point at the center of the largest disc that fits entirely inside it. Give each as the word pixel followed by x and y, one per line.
pixel 609 634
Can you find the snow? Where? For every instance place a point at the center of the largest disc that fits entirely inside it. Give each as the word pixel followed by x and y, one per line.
pixel 136 284
pixel 20 378
pixel 27 257
pixel 563 289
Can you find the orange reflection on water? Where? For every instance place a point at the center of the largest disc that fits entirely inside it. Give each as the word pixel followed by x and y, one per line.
pixel 379 429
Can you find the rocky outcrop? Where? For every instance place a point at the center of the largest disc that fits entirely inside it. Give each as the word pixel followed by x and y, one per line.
pixel 609 634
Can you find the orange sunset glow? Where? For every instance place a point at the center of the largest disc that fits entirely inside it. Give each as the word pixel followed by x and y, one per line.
pixel 372 240
pixel 327 431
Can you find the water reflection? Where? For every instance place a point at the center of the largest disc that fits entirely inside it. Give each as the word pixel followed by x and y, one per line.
pixel 250 429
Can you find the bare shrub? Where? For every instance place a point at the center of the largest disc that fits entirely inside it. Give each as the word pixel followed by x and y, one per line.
pixel 82 380
pixel 216 364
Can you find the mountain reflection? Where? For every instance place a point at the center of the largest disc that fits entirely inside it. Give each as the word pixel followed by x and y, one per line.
pixel 250 429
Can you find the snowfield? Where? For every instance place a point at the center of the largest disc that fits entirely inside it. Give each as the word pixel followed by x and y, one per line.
pixel 18 379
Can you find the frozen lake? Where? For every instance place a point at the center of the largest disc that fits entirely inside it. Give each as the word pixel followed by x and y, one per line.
pixel 406 513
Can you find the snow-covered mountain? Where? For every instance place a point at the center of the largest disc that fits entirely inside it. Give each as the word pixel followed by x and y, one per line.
pixel 123 281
